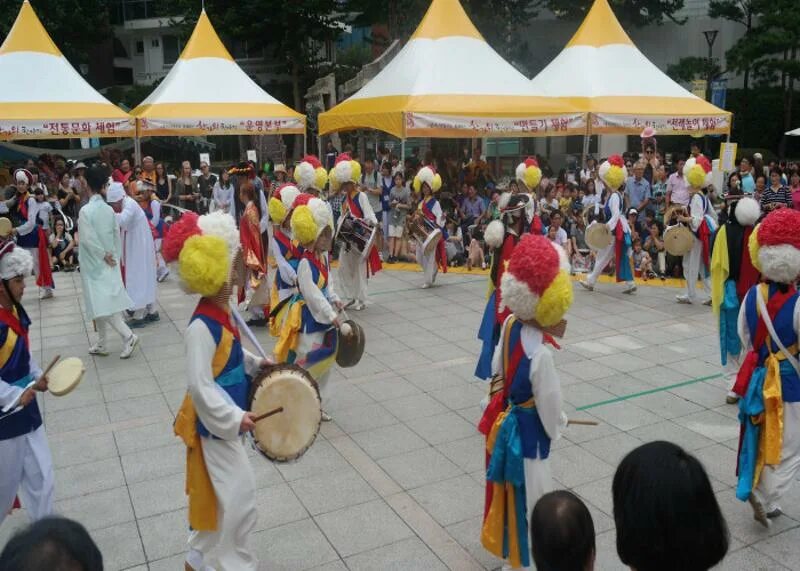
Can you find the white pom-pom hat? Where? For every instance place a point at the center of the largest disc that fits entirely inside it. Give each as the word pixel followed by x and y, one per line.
pixel 345 170
pixel 14 261
pixel 427 175
pixel 775 246
pixel 310 174
pixel 747 211
pixel 222 225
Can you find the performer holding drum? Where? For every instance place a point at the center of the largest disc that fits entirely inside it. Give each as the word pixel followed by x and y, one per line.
pixel 355 263
pixel 701 220
pixel 529 175
pixel 613 174
pixel 213 418
pixel 429 213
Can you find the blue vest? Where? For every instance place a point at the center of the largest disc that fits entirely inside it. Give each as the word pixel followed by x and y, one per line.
pixel 31 239
pixel 15 369
pixel 309 324
pixel 535 441
pixel 227 366
pixel 784 327
pixel 293 261
pixel 148 212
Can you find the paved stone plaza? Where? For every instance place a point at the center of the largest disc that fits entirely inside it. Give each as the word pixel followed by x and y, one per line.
pixel 396 481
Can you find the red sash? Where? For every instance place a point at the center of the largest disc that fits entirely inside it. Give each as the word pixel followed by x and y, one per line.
pixel 287 243
pixel 210 309
pixel 7 316
pixel 321 266
pixel 374 260
pixel 441 251
pixel 45 277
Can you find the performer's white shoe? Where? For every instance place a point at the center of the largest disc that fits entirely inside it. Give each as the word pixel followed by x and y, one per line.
pixel 630 289
pixel 46 294
pixel 98 349
pixel 426 286
pixel 684 299
pixel 759 514
pixel 358 306
pixel 586 285
pixel 130 345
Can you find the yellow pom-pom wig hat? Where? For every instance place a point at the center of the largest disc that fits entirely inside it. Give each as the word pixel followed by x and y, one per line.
pixel 427 175
pixel 345 170
pixel 529 173
pixel 697 172
pixel 613 172
pixel 536 286
pixel 310 174
pixel 310 216
pixel 775 246
pixel 204 247
pixel 281 201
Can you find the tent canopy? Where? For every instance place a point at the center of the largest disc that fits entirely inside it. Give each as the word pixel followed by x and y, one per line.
pixel 448 82
pixel 65 107
pixel 207 93
pixel 602 72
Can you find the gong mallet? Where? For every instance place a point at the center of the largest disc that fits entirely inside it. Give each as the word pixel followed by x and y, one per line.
pixel 583 422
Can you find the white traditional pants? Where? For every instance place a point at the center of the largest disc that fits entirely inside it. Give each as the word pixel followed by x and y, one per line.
pixel 34 252
pixel 430 267
pixel 692 263
pixel 776 480
pixel 538 482
pixel 160 263
pixel 26 468
pixel 601 260
pixel 320 369
pixel 352 276
pixel 235 488
pixel 117 324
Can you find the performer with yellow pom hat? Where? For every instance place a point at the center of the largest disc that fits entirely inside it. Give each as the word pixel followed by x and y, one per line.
pixel 769 379
pixel 354 272
pixel 213 418
pixel 427 182
pixel 613 174
pixel 529 175
pixel 702 220
pixel 309 336
pixel 310 175
pixel 284 251
pixel 525 417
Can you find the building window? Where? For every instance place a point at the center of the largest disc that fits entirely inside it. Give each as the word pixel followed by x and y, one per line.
pixel 154 42
pixel 172 49
pixel 139 46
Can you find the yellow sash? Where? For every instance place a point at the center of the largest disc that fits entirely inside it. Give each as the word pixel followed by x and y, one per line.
pixel 202 499
pixel 292 324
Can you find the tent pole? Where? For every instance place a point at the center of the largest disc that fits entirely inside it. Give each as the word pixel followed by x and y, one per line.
pixel 305 142
pixel 587 137
pixel 402 151
pixel 137 145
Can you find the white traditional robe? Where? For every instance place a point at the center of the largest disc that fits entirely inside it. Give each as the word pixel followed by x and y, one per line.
pixel 429 263
pixel 693 260
pixel 103 291
pixel 352 268
pixel 138 254
pixel 225 457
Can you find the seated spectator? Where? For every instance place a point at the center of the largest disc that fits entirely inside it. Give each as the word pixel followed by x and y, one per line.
pixel 654 246
pixel 454 245
pixel 562 533
pixel 475 253
pixel 560 235
pixel 633 222
pixel 581 254
pixel 51 544
pixel 666 513
pixel 642 262
pixel 62 248
pixel 549 203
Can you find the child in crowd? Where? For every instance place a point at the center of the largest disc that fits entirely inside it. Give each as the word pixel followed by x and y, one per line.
pixel 62 248
pixel 454 244
pixel 399 207
pixel 475 253
pixel 642 262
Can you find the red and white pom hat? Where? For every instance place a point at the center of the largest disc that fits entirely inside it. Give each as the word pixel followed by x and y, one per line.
pixel 536 285
pixel 281 201
pixel 775 246
pixel 345 170
pixel 310 173
pixel 613 172
pixel 697 172
pixel 310 216
pixel 529 173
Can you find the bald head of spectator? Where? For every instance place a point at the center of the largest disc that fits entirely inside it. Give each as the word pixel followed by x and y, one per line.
pixel 52 543
pixel 562 533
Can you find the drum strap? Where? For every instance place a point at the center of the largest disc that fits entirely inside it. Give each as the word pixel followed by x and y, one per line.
pixel 10 318
pixel 354 207
pixel 287 243
pixel 209 309
pixel 321 267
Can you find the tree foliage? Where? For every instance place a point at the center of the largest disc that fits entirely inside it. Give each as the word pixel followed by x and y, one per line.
pixel 690 68
pixel 75 26
pixel 628 12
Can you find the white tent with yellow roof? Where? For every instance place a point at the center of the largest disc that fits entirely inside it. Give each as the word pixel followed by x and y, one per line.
pixel 206 93
pixel 448 82
pixel 43 97
pixel 602 73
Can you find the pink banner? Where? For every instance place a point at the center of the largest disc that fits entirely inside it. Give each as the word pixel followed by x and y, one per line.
pixel 211 126
pixel 665 125
pixel 422 124
pixel 12 129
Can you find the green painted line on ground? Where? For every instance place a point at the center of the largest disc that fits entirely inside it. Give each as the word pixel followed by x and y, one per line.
pixel 650 392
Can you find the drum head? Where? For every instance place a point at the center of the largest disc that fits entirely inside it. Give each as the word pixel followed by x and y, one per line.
pixel 65 376
pixel 678 240
pixel 285 436
pixel 368 246
pixel 598 236
pixel 350 347
pixel 342 218
pixel 432 241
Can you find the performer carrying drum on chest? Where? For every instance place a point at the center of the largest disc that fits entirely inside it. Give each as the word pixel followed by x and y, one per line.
pixel 614 174
pixel 309 337
pixel 353 269
pixel 213 418
pixel 285 253
pixel 702 221
pixel 529 175
pixel 26 466
pixel 502 236
pixel 428 182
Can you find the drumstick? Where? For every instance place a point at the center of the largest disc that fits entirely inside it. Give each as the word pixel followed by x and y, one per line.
pixel 583 422
pixel 268 414
pixel 51 365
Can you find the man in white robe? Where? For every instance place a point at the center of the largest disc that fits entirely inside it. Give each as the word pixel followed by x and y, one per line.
pixel 138 256
pixel 104 294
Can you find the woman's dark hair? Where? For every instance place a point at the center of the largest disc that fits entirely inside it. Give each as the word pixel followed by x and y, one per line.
pixel 666 514
pixel 776 170
pixel 562 533
pixel 51 543
pixel 96 178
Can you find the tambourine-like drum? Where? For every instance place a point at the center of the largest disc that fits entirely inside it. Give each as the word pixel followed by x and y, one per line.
pixel 65 376
pixel 598 236
pixel 678 240
pixel 425 231
pixel 357 233
pixel 285 436
pixel 351 347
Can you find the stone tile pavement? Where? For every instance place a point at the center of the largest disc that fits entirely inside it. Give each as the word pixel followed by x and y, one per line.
pixel 395 482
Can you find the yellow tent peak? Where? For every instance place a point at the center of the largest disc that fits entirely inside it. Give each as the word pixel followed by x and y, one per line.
pixel 600 28
pixel 205 42
pixel 28 35
pixel 446 18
